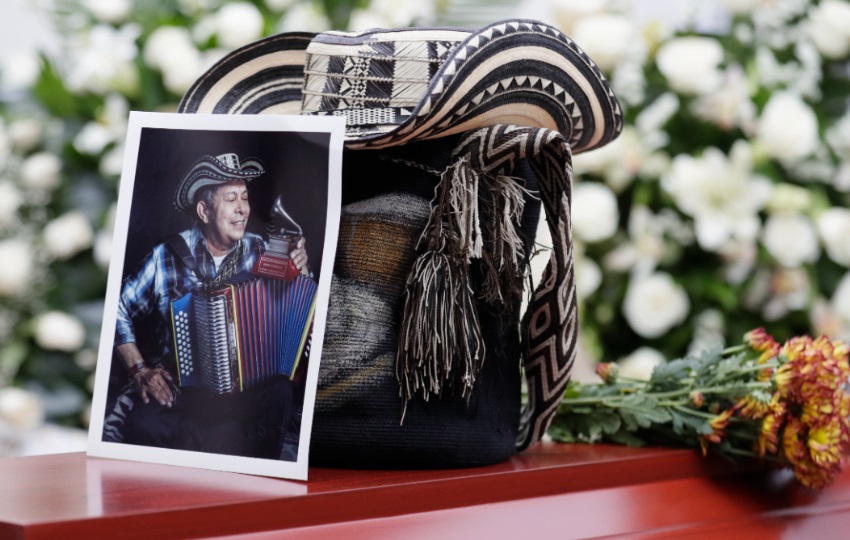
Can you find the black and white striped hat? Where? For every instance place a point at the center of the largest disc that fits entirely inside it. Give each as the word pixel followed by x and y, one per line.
pixel 405 85
pixel 213 171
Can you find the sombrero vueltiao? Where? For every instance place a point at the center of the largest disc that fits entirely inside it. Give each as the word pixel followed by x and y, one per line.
pixel 213 171
pixel 400 86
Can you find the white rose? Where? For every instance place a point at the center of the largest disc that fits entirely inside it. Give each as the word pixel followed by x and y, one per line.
pixel 67 235
pixel 92 139
pixel 691 64
pixel 41 171
pixel 791 239
pixel 170 50
pixel 10 201
pixel 829 28
pixel 59 331
pixel 20 409
pixel 238 24
pixel 567 13
pixel 834 228
pixel 16 269
pixel 111 11
pixel 588 277
pixel 304 17
pixel 788 129
pixel 605 38
pixel 594 212
pixel 655 304
pixel 640 364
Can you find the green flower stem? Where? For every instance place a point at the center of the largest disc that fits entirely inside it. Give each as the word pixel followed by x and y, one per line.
pixel 611 401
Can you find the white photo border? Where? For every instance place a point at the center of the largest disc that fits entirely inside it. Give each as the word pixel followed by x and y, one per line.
pixel 298 469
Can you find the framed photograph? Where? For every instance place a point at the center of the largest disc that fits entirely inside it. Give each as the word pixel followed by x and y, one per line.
pixel 225 234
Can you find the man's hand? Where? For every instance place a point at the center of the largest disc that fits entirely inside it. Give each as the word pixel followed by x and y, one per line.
pixel 150 382
pixel 299 256
pixel 154 383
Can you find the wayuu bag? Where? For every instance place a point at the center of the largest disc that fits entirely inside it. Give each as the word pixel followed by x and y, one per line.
pixel 455 139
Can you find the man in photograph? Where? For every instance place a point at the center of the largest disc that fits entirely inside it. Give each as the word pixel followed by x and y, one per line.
pixel 215 192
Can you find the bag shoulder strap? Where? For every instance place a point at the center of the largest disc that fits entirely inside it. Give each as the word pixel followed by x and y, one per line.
pixel 440 342
pixel 177 245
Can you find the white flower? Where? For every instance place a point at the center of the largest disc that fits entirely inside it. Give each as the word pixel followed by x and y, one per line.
pixel 112 161
pixel 655 304
pixel 594 212
pixel 740 7
pixel 304 17
pixel 841 298
pixel 20 70
pixel 10 201
pixel 730 105
pixel 788 198
pixel 691 64
pixel 103 240
pixel 788 129
pixel 391 14
pixel 640 364
pixel 16 269
pixel 605 38
pixel 68 234
pixel 238 24
pixel 103 59
pixel 829 28
pixel 111 11
pixel 645 247
pixel 41 171
pixel 170 50
pixel 92 139
pixel 59 331
pixel 722 195
pixel 5 146
pixel 791 239
pixel 567 13
pixel 588 277
pixel 25 133
pixel 834 228
pixel 20 409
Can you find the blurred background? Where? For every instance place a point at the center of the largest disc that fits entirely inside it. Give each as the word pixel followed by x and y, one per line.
pixel 722 207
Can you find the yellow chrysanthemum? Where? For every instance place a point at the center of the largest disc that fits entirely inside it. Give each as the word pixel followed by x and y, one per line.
pixel 824 444
pixel 718 430
pixel 768 441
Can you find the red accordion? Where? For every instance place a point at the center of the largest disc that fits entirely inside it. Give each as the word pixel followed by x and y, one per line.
pixel 232 336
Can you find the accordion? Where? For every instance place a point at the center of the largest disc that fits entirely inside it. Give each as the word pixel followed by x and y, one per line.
pixel 234 335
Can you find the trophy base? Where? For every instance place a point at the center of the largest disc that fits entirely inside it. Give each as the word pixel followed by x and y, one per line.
pixel 276 267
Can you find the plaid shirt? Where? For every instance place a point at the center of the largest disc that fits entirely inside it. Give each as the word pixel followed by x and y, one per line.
pixel 162 278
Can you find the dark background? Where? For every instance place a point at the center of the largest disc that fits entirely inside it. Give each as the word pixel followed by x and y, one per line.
pixel 296 166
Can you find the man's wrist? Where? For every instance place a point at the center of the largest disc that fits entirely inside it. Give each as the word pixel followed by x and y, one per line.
pixel 135 369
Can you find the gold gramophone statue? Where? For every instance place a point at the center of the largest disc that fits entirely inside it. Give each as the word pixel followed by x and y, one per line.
pixel 284 235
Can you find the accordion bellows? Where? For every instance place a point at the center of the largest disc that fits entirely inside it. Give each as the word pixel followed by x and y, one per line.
pixel 233 336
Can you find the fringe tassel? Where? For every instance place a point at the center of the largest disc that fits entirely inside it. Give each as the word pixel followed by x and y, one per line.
pixel 505 260
pixel 440 343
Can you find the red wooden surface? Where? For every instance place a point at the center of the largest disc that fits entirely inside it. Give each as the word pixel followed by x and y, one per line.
pixel 564 490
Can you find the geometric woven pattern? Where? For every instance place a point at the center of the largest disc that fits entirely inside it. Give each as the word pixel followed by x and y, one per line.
pixel 400 86
pixel 549 327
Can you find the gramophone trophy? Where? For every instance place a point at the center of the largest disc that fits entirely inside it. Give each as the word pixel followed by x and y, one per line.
pixel 284 235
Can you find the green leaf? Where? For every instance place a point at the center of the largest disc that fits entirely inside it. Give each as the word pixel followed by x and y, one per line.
pixel 642 411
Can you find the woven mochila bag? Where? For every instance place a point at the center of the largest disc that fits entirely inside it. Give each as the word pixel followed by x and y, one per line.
pixel 455 140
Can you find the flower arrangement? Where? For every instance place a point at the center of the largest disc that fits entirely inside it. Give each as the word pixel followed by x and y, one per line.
pixel 62 124
pixel 788 404
pixel 722 206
